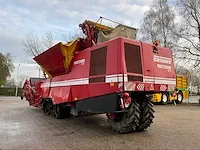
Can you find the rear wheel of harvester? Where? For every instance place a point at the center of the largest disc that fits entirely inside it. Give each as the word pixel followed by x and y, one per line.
pixel 179 97
pixel 164 99
pixel 146 115
pixel 126 122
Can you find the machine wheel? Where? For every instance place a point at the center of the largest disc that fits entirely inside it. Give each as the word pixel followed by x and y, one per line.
pixel 61 112
pixel 126 122
pixel 48 107
pixel 57 112
pixel 66 111
pixel 179 97
pixel 44 106
pixel 146 115
pixel 164 99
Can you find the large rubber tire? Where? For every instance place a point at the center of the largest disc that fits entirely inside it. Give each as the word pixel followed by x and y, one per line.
pixel 48 107
pixel 146 115
pixel 128 121
pixel 58 112
pixel 179 97
pixel 164 99
pixel 61 111
pixel 44 106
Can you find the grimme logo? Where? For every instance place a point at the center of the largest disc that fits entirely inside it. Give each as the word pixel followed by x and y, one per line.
pixel 163 60
pixel 81 61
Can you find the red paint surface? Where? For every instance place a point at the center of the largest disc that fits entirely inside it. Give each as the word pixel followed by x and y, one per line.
pixel 115 65
pixel 60 94
pixel 52 60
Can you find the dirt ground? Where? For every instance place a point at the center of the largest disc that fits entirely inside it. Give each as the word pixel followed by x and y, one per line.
pixel 25 127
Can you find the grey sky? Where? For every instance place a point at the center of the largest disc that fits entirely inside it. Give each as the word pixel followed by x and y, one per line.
pixel 20 17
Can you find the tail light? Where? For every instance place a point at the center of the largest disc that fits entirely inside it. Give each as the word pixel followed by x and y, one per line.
pixel 125 100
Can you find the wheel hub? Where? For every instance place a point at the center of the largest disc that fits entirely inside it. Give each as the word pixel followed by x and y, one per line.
pixel 179 97
pixel 164 98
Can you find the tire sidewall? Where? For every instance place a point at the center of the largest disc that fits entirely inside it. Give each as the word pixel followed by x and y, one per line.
pixel 180 93
pixel 164 102
pixel 128 122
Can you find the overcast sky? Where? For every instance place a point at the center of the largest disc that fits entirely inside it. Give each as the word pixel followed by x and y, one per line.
pixel 20 17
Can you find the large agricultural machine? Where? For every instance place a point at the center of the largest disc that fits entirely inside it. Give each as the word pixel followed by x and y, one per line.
pixel 182 92
pixel 107 72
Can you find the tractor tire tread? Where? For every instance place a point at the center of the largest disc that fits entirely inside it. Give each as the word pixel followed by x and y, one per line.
pixel 129 121
pixel 146 115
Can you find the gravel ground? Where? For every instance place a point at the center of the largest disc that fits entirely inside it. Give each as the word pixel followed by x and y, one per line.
pixel 25 127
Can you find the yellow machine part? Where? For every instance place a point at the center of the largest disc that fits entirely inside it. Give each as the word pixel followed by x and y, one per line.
pixel 171 98
pixel 99 26
pixel 49 75
pixel 68 52
pixel 181 82
pixel 156 97
pixel 185 94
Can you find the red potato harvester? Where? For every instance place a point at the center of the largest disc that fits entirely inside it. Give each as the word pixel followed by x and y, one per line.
pixel 108 72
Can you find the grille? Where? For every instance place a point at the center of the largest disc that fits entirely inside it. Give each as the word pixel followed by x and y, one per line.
pixel 98 61
pixel 135 78
pixel 133 58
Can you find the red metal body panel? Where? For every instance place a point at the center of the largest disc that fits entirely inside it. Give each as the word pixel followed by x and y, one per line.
pixel 60 94
pixel 76 84
pixel 91 90
pixel 52 60
pixel 102 89
pixel 78 93
pixel 159 71
pixel 45 92
pixel 148 68
pixel 149 65
pixel 82 70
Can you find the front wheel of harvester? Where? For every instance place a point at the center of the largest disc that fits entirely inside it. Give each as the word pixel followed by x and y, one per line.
pixel 179 97
pixel 126 122
pixel 146 115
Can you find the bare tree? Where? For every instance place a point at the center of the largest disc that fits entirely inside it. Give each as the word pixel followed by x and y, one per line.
pixel 158 24
pixel 180 70
pixel 32 45
pixel 70 37
pixel 188 46
pixel 191 73
pixel 47 40
pixel 148 30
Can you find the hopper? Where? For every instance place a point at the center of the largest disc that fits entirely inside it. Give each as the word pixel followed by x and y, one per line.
pixel 57 59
